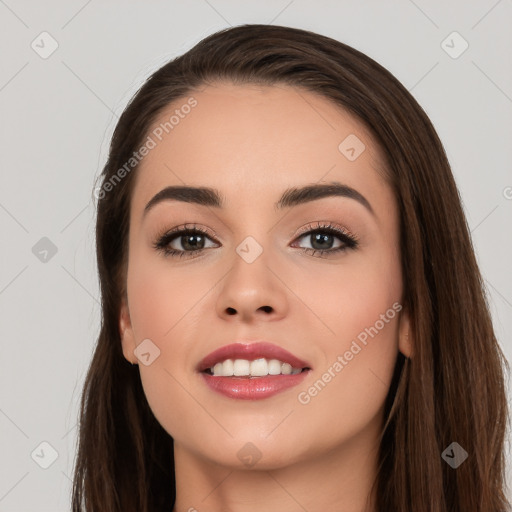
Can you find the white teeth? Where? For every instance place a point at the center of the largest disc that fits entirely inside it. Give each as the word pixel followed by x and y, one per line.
pixel 227 368
pixel 257 368
pixel 286 369
pixel 274 367
pixel 241 368
pixel 217 369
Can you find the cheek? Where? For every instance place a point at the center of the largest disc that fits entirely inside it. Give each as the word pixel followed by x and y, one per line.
pixel 361 306
pixel 349 296
pixel 161 296
pixel 165 307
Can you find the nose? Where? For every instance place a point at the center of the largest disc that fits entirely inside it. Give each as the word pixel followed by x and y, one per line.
pixel 253 291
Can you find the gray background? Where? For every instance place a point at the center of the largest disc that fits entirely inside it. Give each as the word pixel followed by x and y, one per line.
pixel 57 115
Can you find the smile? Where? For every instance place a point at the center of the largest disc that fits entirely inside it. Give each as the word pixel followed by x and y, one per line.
pixel 257 368
pixel 252 371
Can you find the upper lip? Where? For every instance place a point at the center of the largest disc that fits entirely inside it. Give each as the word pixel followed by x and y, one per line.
pixel 251 351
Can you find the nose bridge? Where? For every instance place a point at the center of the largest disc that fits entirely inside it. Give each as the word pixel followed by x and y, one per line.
pixel 251 264
pixel 256 252
pixel 250 249
pixel 252 235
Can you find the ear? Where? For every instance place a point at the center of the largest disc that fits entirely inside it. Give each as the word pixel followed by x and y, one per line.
pixel 126 333
pixel 405 339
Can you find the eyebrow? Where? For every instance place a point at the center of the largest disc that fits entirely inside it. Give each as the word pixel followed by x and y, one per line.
pixel 206 196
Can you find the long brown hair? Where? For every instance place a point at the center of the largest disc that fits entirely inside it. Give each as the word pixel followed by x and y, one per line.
pixel 453 387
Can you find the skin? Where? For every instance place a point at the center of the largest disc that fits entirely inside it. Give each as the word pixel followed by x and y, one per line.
pixel 251 143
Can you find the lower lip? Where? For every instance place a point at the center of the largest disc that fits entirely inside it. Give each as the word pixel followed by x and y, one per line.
pixel 255 388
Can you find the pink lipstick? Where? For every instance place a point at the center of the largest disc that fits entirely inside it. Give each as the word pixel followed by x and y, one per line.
pixel 252 371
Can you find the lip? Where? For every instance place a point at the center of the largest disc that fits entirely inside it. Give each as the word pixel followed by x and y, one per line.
pixel 252 388
pixel 251 351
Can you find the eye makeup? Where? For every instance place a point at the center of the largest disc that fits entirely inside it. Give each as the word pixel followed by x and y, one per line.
pixel 192 238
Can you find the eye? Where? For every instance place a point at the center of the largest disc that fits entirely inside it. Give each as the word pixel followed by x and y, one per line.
pixel 191 239
pixel 323 235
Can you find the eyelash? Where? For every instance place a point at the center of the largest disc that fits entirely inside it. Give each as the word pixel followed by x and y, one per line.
pixel 348 239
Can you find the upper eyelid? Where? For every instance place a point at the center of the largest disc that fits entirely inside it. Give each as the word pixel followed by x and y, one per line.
pixel 179 230
pixel 326 226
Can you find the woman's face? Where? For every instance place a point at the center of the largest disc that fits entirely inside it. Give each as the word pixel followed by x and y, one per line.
pixel 264 272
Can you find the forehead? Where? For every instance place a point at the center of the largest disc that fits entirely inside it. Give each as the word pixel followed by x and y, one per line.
pixel 258 139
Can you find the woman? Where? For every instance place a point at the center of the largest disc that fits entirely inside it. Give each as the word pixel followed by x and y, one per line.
pixel 285 263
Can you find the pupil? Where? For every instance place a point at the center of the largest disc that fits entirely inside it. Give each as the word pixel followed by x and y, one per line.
pixel 191 245
pixel 320 238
